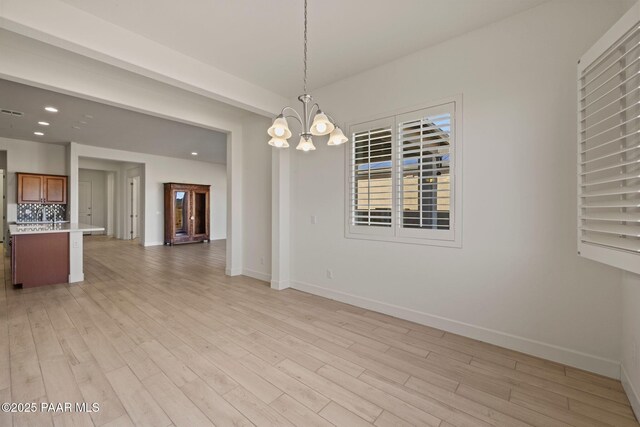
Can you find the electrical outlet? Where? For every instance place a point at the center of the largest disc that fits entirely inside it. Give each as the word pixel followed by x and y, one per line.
pixel 329 273
pixel 314 219
pixel 76 244
pixel 261 260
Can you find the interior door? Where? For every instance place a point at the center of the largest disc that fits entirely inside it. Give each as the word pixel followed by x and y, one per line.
pixel 84 202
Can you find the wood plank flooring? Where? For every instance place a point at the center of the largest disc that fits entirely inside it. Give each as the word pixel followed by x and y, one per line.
pixel 159 337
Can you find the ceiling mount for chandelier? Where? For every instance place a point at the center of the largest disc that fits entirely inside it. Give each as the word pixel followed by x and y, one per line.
pixel 322 124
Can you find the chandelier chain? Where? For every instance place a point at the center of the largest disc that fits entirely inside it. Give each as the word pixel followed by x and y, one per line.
pixel 305 46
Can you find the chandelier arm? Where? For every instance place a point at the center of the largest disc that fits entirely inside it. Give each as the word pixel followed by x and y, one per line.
pixel 297 117
pixel 294 117
pixel 311 111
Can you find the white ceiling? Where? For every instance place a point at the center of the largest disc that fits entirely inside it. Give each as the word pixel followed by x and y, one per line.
pixel 107 126
pixel 261 41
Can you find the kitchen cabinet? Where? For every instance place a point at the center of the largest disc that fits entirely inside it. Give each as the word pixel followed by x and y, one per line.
pixel 39 259
pixel 30 188
pixel 48 189
pixel 40 253
pixel 186 213
pixel 55 189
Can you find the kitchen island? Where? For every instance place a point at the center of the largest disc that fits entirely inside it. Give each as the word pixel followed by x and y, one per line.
pixel 40 252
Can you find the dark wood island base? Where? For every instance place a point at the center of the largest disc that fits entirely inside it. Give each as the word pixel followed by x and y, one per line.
pixel 39 259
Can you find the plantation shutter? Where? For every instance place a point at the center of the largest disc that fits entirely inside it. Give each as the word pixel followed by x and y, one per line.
pixel 609 147
pixel 425 182
pixel 371 180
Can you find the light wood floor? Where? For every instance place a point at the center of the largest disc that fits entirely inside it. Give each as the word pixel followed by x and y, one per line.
pixel 160 336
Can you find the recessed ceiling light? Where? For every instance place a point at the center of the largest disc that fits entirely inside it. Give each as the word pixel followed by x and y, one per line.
pixel 194 154
pixel 88 116
pixel 51 109
pixel 43 123
pixel 82 122
pixel 38 133
pixel 76 127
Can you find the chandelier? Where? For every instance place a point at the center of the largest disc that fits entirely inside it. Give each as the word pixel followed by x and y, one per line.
pixel 322 123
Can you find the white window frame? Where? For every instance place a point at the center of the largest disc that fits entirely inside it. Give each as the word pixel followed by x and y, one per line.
pixel 396 233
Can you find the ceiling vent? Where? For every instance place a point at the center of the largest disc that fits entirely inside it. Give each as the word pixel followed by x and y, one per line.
pixel 12 113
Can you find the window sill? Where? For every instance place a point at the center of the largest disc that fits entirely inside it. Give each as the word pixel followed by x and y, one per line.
pixel 406 240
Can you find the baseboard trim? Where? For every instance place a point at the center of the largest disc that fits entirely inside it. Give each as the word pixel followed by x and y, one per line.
pixel 632 393
pixel 588 362
pixel 153 244
pixel 233 271
pixel 256 275
pixel 279 285
pixel 75 278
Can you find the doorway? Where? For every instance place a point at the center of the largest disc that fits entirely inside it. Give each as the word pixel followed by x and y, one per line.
pixel 116 194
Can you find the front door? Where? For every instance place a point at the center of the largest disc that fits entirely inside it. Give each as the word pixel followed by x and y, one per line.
pixel 84 202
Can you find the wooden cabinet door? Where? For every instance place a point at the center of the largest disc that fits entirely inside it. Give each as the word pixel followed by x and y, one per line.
pixel 200 213
pixel 30 188
pixel 55 189
pixel 181 215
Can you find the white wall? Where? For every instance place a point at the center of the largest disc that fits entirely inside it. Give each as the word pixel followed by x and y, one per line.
pixel 98 180
pixel 157 171
pixel 256 197
pixel 28 156
pixel 517 281
pixel 631 338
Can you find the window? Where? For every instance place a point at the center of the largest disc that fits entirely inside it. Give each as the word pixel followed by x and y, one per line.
pixel 404 178
pixel 609 147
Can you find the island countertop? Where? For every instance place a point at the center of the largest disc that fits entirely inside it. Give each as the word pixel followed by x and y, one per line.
pixel 60 227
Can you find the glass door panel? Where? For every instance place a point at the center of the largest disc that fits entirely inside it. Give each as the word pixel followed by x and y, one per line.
pixel 181 213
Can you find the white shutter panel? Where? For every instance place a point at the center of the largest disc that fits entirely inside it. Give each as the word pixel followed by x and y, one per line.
pixel 426 178
pixel 609 147
pixel 371 177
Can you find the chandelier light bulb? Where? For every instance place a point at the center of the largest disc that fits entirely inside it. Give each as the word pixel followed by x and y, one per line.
pixel 305 144
pixel 321 124
pixel 280 128
pixel 337 137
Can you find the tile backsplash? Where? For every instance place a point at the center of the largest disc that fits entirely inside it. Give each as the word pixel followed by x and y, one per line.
pixel 32 212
